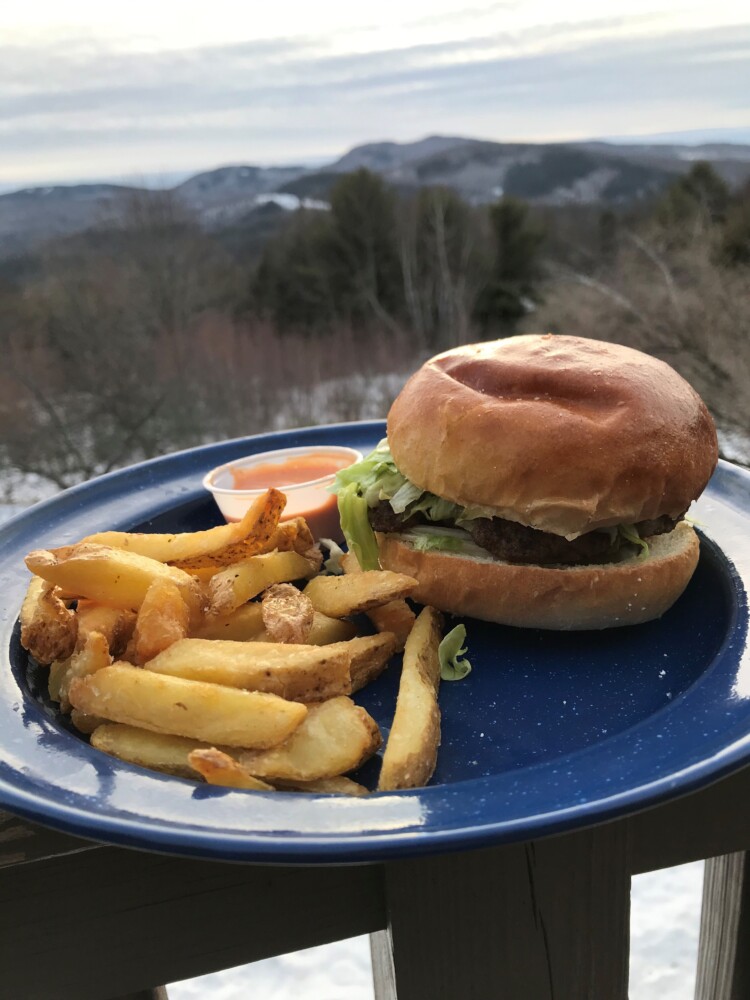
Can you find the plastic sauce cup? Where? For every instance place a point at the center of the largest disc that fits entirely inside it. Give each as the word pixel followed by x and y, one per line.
pixel 310 499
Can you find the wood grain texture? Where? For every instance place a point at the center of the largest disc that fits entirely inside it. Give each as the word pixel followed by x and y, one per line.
pixel 112 921
pixel 724 945
pixel 704 824
pixel 547 920
pixel 383 973
pixel 22 841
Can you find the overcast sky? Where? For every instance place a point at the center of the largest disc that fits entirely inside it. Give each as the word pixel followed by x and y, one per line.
pixel 97 89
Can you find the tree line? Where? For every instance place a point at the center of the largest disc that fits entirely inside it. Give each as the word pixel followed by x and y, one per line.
pixel 152 333
pixel 430 263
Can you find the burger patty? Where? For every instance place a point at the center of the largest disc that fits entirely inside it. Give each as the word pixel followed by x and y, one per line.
pixel 517 543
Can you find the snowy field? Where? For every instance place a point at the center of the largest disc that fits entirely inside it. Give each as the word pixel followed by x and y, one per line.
pixel 664 942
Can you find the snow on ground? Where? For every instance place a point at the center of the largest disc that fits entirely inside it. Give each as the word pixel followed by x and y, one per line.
pixel 665 914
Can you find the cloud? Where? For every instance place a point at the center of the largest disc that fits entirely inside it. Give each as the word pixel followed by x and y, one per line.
pixel 608 75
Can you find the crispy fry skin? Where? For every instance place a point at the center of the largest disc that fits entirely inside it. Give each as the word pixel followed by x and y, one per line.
pixel 337 736
pixel 48 629
pixel 116 624
pixel 85 723
pixel 218 768
pixel 296 672
pixel 340 596
pixel 246 624
pixel 207 712
pixel 259 523
pixel 369 657
pixel 238 584
pixel 156 751
pixel 411 753
pixel 163 618
pixel 292 535
pixel 112 576
pixel 93 656
pixel 287 614
pixel 395 616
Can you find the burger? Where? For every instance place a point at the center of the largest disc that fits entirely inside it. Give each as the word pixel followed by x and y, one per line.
pixel 538 481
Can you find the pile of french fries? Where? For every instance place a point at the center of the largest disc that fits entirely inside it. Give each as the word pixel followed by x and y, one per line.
pixel 223 655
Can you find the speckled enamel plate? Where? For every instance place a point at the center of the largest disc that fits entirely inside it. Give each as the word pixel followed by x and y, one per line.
pixel 551 731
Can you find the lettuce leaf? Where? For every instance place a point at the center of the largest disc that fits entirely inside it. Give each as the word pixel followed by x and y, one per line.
pixel 378 478
pixel 356 527
pixel 630 533
pixel 450 651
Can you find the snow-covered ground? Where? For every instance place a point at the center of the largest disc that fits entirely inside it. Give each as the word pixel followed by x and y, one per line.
pixel 664 941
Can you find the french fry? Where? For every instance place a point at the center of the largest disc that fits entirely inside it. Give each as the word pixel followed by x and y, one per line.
pixel 287 614
pixel 293 535
pixel 156 751
pixel 395 616
pixel 327 630
pixel 163 618
pixel 237 584
pixel 323 786
pixel 341 596
pixel 298 673
pixel 93 656
pixel 242 625
pixel 259 523
pixel 85 723
pixel 116 624
pixel 369 657
pixel 246 624
pixel 111 576
pixel 411 752
pixel 337 736
pixel 48 629
pixel 218 768
pixel 207 712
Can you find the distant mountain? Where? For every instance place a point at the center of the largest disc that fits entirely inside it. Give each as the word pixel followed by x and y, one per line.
pixel 595 172
pixel 553 173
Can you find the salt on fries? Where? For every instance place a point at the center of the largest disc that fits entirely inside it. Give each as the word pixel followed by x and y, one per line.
pixel 201 656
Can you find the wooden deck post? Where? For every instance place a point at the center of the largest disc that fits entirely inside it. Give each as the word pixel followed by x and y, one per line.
pixel 544 920
pixel 724 942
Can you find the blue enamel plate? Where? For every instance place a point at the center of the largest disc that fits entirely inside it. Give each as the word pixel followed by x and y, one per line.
pixel 550 731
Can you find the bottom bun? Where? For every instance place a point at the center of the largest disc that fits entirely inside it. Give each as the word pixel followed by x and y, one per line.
pixel 551 597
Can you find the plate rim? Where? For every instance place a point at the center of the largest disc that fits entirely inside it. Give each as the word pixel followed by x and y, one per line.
pixel 337 847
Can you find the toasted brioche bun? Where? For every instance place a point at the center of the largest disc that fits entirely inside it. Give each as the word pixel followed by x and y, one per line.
pixel 559 433
pixel 571 598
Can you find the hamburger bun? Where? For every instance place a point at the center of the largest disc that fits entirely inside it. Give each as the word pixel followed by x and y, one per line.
pixel 550 597
pixel 559 433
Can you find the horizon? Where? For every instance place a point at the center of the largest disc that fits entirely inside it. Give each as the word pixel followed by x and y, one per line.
pixel 168 178
pixel 98 91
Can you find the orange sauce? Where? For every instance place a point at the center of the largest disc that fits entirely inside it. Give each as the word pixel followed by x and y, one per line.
pixel 314 503
pixel 289 472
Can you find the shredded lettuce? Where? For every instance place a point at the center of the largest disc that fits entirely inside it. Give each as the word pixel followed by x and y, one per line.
pixel 437 538
pixel 377 478
pixel 356 527
pixel 450 651
pixel 630 533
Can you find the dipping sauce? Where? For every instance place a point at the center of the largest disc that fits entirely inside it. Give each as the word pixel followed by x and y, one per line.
pixel 290 472
pixel 303 474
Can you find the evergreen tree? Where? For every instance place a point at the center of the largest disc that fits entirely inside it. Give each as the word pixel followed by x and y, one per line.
pixel 514 271
pixel 694 202
pixel 365 268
